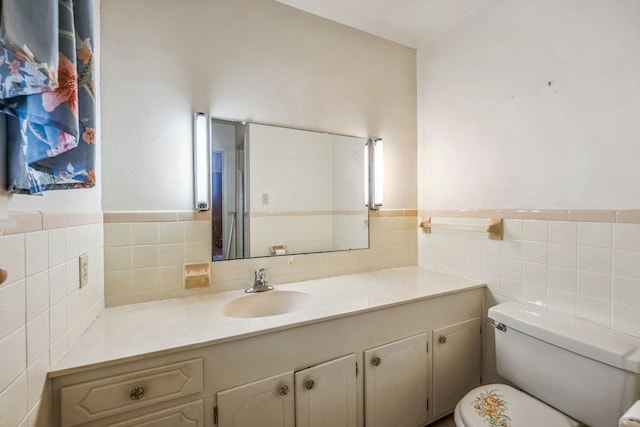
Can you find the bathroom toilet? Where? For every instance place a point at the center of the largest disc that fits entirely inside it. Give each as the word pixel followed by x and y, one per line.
pixel 508 407
pixel 572 372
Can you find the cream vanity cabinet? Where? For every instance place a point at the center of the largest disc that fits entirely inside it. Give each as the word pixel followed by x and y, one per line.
pixel 319 396
pixel 401 364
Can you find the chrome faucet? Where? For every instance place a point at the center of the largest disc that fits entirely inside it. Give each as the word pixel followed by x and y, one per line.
pixel 260 283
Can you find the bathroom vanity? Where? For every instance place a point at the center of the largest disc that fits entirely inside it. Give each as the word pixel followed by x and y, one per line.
pixel 392 347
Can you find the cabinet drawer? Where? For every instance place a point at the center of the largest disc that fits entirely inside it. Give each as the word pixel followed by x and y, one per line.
pixel 188 415
pixel 95 399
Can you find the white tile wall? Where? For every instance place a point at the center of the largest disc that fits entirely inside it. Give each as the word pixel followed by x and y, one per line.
pixel 13 402
pixel 587 269
pixel 43 312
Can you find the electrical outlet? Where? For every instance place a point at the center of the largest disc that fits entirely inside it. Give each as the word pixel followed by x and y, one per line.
pixel 84 270
pixel 265 198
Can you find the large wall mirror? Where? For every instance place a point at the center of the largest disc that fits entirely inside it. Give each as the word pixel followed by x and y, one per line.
pixel 281 191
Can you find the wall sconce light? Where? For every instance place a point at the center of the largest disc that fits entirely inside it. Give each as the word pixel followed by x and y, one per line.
pixel 201 161
pixel 375 178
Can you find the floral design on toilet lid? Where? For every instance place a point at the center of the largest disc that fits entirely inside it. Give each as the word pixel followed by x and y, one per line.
pixel 491 406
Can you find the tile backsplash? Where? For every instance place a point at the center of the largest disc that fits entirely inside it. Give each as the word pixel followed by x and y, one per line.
pixel 43 310
pixel 145 253
pixel 586 264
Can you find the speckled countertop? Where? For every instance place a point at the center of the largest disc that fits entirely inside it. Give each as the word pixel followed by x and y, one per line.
pixel 133 331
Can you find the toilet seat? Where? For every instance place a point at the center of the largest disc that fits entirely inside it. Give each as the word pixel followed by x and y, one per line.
pixel 506 407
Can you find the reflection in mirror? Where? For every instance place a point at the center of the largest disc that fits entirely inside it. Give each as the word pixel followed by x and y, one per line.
pixel 279 191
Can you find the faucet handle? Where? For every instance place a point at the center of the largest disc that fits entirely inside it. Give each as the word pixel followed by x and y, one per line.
pixel 261 275
pixel 260 283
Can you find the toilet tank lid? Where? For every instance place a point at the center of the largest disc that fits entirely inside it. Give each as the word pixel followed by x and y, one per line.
pixel 580 336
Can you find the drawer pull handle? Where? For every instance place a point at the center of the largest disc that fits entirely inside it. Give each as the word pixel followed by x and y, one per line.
pixel 376 361
pixel 284 390
pixel 442 339
pixel 136 393
pixel 309 384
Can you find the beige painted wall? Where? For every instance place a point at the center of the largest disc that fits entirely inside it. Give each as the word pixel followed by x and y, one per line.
pixel 532 105
pixel 241 59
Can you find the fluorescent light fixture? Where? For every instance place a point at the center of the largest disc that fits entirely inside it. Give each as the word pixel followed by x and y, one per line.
pixel 201 161
pixel 375 179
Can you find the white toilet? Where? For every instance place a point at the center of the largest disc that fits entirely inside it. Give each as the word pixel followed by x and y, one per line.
pixel 585 371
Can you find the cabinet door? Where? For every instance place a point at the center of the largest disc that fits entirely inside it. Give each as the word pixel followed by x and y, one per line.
pixel 326 394
pixel 457 363
pixel 264 403
pixel 395 383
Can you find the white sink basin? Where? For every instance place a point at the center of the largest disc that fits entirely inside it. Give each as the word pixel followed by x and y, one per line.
pixel 268 303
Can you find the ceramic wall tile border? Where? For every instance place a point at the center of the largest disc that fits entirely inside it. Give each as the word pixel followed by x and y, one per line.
pixel 578 215
pixel 30 221
pixel 575 215
pixel 304 213
pixel 155 216
pixel 630 216
pixel 393 212
pixel 169 216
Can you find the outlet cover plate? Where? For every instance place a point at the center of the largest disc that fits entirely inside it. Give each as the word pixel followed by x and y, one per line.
pixel 84 270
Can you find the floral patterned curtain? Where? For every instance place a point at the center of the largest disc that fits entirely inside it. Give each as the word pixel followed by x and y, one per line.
pixel 47 93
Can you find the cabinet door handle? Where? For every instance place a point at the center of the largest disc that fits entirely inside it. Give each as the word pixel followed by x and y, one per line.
pixel 309 384
pixel 442 339
pixel 284 390
pixel 376 361
pixel 136 393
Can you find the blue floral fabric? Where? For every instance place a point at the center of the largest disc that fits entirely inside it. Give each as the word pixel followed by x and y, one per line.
pixel 47 93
